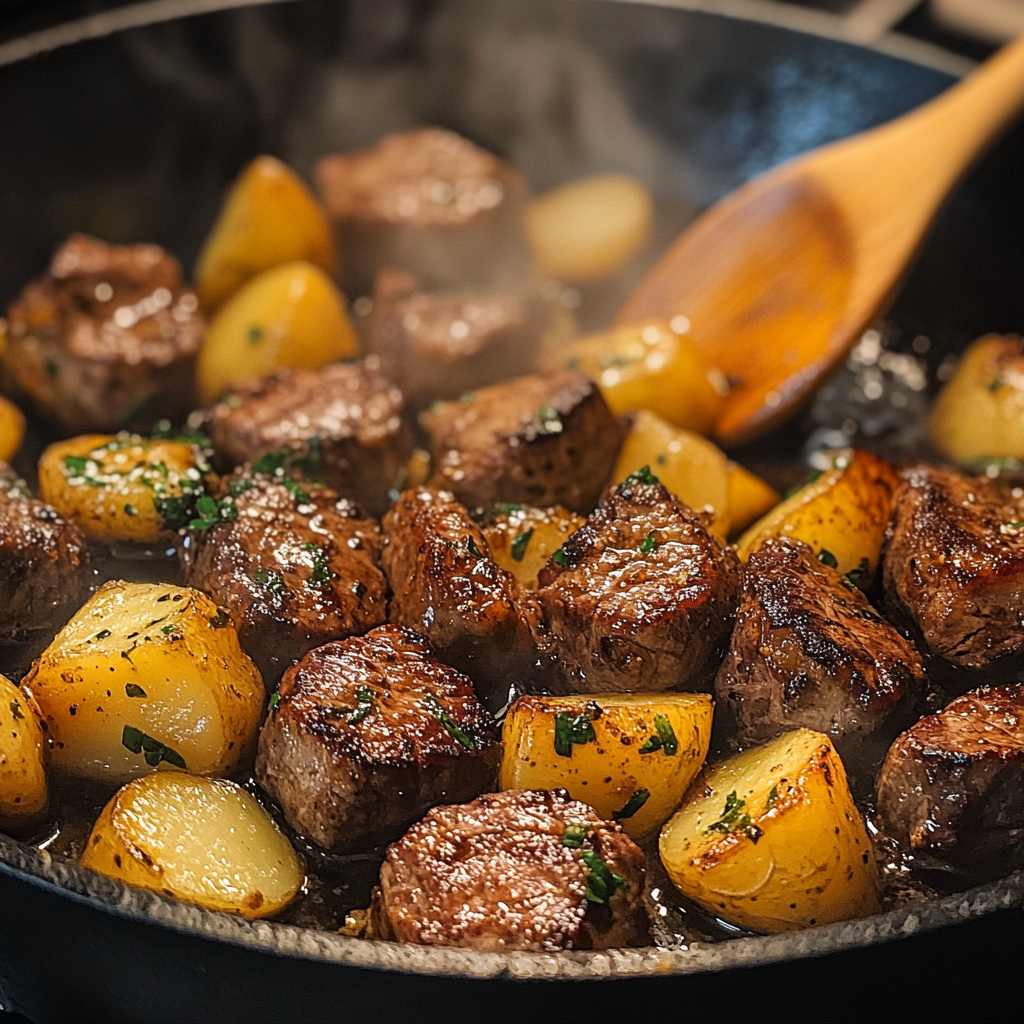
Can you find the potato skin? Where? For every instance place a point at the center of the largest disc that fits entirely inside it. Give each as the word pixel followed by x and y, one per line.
pixel 608 771
pixel 793 854
pixel 24 793
pixel 156 658
pixel 122 487
pixel 844 510
pixel 204 841
pixel 750 498
pixel 533 534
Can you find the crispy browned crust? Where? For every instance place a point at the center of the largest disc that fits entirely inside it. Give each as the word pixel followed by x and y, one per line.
pixel 349 784
pixel 107 337
pixel 445 585
pixel 342 424
pixel 269 569
pixel 625 619
pixel 954 564
pixel 495 874
pixel 538 440
pixel 44 562
pixel 808 650
pixel 952 786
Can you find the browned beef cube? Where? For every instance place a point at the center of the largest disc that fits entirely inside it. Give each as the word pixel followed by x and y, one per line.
pixel 642 596
pixel 954 565
pixel 809 651
pixel 441 345
pixel 44 563
pixel 340 425
pixel 369 733
pixel 529 870
pixel 445 585
pixel 952 787
pixel 538 440
pixel 295 569
pixel 106 338
pixel 431 202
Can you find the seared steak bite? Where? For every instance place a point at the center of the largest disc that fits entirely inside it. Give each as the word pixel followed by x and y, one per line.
pixel 529 870
pixel 642 595
pixel 445 585
pixel 368 734
pixel 539 440
pixel 952 787
pixel 430 201
pixel 809 651
pixel 340 425
pixel 954 564
pixel 294 569
pixel 106 339
pixel 44 562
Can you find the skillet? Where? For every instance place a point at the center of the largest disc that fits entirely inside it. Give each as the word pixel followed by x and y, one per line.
pixel 135 135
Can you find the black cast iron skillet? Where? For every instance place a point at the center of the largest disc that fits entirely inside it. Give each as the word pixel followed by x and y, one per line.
pixel 134 137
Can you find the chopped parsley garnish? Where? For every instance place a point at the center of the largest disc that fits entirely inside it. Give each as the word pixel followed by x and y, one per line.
pixel 641 476
pixel 456 732
pixel 301 497
pixel 735 819
pixel 130 510
pixel 467 398
pixel 546 421
pixel 76 467
pixel 572 729
pixel 664 740
pixel 364 705
pixel 574 836
pixel 827 558
pixel 558 557
pixel 506 508
pixel 254 334
pixel 237 487
pixel 134 690
pixel 472 548
pixel 773 795
pixel 210 512
pixel 519 544
pixel 102 634
pixel 632 805
pixel 220 620
pixel 154 751
pixel 321 576
pixel 275 701
pixel 169 628
pixel 270 580
pixel 854 576
pixel 601 881
pixel 16 709
pixel 648 544
pixel 271 462
pixel 311 464
pixel 996 383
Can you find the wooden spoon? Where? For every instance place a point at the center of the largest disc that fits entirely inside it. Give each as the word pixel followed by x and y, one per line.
pixel 780 278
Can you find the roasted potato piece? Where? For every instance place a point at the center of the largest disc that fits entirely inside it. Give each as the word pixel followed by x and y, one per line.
pixel 122 487
pixel 23 789
pixel 979 414
pixel 204 841
pixel 631 756
pixel 12 429
pixel 522 538
pixel 588 228
pixel 147 676
pixel 268 218
pixel 841 513
pixel 749 497
pixel 290 316
pixel 650 366
pixel 689 466
pixel 771 839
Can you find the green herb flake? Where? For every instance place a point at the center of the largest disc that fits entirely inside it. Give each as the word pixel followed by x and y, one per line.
pixel 472 548
pixel 519 544
pixel 364 705
pixel 237 487
pixel 854 576
pixel 827 558
pixel 467 398
pixel 220 620
pixel 16 709
pixel 300 496
pixel 632 805
pixel 211 512
pixel 649 544
pixel 134 690
pixel 168 629
pixel 275 702
pixel 456 732
pixel 270 580
pixel 574 836
pixel 153 750
pixel 558 557
pixel 996 383
pixel 271 462
pixel 506 508
pixel 773 795
pixel 571 730
pixel 254 334
pixel 102 634
pixel 735 819
pixel 601 881
pixel 651 745
pixel 547 421
pixel 667 735
pixel 641 476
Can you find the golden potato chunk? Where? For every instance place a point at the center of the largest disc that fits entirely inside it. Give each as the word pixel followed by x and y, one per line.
pixel 147 676
pixel 772 840
pixel 689 466
pixel 842 513
pixel 204 841
pixel 23 789
pixel 750 497
pixel 12 429
pixel 631 756
pixel 122 487
pixel 651 366
pixel 979 414
pixel 290 316
pixel 268 218
pixel 587 229
pixel 521 538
